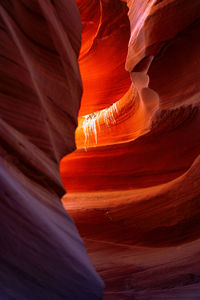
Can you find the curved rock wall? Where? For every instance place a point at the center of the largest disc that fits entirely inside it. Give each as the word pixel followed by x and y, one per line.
pixel 133 182
pixel 41 253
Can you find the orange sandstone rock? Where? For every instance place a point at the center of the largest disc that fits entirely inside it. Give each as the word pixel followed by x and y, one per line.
pixel 133 182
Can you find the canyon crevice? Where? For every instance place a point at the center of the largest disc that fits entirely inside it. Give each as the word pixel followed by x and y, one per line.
pixel 133 182
pixel 108 114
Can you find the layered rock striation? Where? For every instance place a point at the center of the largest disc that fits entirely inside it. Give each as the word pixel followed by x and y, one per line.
pixel 41 255
pixel 133 182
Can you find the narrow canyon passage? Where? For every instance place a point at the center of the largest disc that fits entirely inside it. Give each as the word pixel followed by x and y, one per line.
pixel 133 182
pixel 100 145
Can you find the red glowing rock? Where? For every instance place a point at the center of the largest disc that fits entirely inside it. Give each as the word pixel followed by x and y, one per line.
pixel 103 53
pixel 133 182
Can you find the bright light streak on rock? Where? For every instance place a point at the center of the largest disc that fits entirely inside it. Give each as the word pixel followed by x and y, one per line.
pixel 91 123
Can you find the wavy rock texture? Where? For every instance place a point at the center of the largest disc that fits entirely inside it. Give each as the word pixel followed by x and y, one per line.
pixel 133 183
pixel 41 253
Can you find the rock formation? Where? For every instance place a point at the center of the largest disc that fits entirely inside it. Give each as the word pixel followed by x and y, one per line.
pixel 41 255
pixel 133 183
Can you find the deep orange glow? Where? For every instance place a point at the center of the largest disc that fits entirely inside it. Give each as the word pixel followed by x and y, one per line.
pixel 134 141
pixel 116 107
pixel 134 178
pixel 112 109
pixel 103 54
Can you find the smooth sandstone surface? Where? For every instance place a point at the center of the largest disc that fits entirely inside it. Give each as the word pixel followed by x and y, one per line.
pixel 41 253
pixel 133 182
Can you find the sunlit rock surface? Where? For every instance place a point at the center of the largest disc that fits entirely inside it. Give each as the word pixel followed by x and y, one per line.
pixel 41 253
pixel 105 36
pixel 134 181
